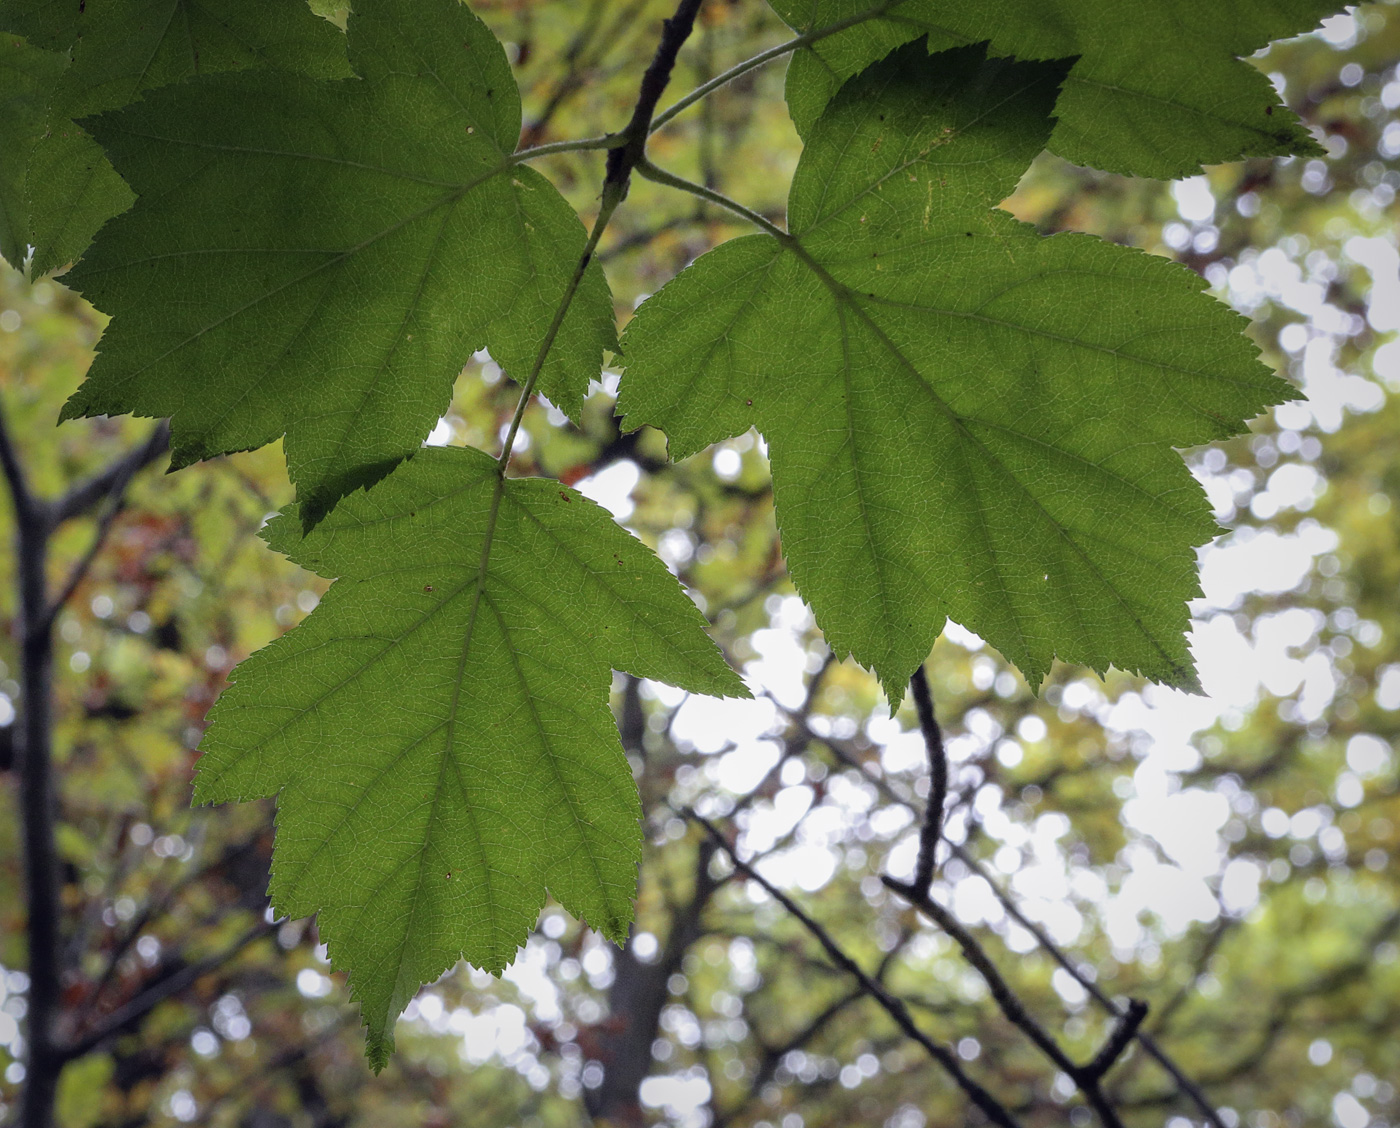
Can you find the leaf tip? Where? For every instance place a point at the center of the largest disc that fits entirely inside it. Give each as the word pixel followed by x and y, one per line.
pixel 378 1049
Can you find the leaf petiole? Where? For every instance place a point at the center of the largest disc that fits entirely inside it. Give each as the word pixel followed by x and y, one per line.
pixel 795 44
pixel 648 171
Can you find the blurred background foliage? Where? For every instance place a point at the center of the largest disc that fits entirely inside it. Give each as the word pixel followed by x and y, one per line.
pixel 1230 859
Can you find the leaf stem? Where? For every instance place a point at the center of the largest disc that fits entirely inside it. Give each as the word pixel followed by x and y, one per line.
pixel 527 389
pixel 626 150
pixel 607 141
pixel 932 830
pixel 806 39
pixel 649 171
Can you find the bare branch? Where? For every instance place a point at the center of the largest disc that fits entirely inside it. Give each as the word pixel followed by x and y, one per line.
pixel 109 482
pixel 1123 1033
pixel 27 507
pixel 159 991
pixel 622 160
pixel 1184 1084
pixel 1087 1077
pixel 932 829
pixel 892 1006
pixel 84 565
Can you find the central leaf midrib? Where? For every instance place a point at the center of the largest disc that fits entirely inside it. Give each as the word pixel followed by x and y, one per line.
pixel 579 819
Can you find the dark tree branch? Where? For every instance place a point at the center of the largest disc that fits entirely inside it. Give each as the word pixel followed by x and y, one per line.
pixel 1184 1084
pixel 109 482
pixel 37 795
pixel 1153 1049
pixel 917 893
pixel 1006 998
pixel 108 518
pixel 932 829
pixel 1086 1078
pixel 622 160
pixel 635 1001
pixel 894 1007
pixel 1124 1030
pixel 164 988
pixel 25 503
pixel 35 521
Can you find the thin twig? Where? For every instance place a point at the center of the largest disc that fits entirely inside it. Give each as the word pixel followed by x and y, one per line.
pixel 161 990
pixel 804 40
pixel 932 829
pixel 110 486
pixel 111 480
pixel 157 907
pixel 622 160
pixel 1086 1078
pixel 1184 1084
pixel 773 1055
pixel 1150 1045
pixel 571 79
pixel 892 1006
pixel 83 566
pixel 1124 1030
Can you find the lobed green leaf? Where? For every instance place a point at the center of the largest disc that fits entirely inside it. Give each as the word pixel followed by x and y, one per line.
pixel 1158 87
pixel 437 732
pixel 320 258
pixel 965 419
pixel 119 49
pixel 27 76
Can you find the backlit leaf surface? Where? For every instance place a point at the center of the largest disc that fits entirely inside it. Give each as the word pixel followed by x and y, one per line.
pixel 121 48
pixel 965 419
pixel 438 735
pixel 27 77
pixel 320 258
pixel 1158 87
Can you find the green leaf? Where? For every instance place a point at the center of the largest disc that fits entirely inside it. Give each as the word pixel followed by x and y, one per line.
pixel 27 77
pixel 1158 87
pixel 438 732
pixel 319 259
pixel 965 419
pixel 119 50
pixel 71 191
